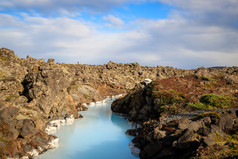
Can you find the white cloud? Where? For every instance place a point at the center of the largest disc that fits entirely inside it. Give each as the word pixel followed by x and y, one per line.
pixel 189 38
pixel 113 21
pixel 208 12
pixel 174 42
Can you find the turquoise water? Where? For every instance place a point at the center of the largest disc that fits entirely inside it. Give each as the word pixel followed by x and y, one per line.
pixel 99 135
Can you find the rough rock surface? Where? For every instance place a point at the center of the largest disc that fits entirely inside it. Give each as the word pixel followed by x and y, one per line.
pixel 175 95
pixel 184 117
pixel 34 92
pixel 194 139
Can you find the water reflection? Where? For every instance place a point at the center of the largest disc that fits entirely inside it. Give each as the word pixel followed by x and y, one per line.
pixel 100 134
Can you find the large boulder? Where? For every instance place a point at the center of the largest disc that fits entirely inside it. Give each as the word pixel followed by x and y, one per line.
pixel 46 88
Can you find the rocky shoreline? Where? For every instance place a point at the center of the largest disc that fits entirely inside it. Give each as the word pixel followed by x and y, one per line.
pixel 37 96
pixel 34 93
pixel 183 117
pixel 54 125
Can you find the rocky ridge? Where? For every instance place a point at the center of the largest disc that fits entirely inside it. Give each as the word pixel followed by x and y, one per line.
pixel 34 93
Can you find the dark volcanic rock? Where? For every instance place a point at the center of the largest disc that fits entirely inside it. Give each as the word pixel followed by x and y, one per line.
pixel 165 132
pixel 163 140
pixel 34 92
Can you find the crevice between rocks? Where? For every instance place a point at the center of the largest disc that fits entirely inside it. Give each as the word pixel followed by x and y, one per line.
pixel 25 92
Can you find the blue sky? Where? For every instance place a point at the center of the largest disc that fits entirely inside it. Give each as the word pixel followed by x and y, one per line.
pixel 179 33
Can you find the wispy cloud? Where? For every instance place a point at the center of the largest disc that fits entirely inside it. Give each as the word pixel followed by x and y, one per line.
pixel 209 12
pixel 113 21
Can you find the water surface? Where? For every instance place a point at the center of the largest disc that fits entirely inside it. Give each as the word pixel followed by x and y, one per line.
pixel 99 135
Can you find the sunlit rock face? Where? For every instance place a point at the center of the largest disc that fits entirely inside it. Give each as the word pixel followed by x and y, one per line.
pixel 34 92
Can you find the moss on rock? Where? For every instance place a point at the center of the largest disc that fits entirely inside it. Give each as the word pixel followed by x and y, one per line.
pixel 218 101
pixel 208 114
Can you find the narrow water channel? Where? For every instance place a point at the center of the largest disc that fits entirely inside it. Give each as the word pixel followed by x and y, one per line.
pixel 99 135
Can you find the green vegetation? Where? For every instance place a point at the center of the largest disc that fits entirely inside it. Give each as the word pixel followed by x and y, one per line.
pixel 227 151
pixel 208 114
pixel 197 106
pixel 168 100
pixel 8 98
pixel 169 108
pixel 209 85
pixel 217 100
pixel 212 101
pixel 168 97
pixel 6 147
pixel 3 58
pixel 209 78
pixel 87 96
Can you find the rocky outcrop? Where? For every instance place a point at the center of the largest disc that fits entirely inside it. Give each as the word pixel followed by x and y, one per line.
pixel 175 94
pixel 183 117
pixel 185 138
pixel 34 92
pixel 46 88
pixel 138 105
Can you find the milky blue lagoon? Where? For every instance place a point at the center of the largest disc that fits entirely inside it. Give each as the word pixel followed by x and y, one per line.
pixel 99 135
